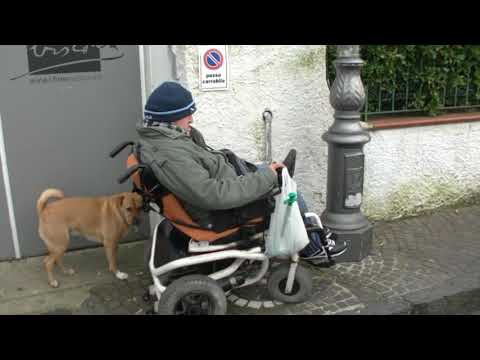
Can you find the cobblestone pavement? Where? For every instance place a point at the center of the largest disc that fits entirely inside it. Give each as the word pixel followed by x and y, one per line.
pixel 414 262
pixel 424 265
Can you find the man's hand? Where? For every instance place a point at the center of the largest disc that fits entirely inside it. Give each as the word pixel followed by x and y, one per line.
pixel 276 165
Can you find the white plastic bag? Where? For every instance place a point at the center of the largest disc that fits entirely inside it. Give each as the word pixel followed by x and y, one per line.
pixel 287 234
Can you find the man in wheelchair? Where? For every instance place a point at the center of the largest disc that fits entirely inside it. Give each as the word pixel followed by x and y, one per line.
pixel 216 188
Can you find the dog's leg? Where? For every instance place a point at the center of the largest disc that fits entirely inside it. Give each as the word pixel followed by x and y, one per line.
pixel 49 263
pixel 111 251
pixel 121 275
pixel 57 242
pixel 59 262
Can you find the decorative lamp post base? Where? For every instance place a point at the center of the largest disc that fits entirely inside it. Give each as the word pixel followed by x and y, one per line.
pixel 346 138
pixel 359 244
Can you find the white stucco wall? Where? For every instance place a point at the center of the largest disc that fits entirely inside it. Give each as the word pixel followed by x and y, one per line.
pixel 406 170
pixel 414 169
pixel 289 80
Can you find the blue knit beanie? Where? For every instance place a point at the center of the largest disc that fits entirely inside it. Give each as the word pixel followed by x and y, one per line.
pixel 168 103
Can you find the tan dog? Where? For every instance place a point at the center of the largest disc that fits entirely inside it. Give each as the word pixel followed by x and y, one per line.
pixel 101 219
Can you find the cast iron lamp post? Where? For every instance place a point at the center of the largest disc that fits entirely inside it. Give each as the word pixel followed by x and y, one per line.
pixel 346 139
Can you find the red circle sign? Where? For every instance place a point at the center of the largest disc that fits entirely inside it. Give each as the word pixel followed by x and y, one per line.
pixel 213 59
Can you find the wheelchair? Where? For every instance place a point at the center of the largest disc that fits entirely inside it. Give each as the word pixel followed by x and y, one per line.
pixel 194 268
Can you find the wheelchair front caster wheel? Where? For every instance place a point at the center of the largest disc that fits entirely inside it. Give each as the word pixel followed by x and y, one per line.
pixel 302 285
pixel 193 295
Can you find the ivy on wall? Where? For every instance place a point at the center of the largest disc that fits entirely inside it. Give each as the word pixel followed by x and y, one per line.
pixel 422 77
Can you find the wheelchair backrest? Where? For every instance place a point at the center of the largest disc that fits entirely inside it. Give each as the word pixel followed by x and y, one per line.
pixel 146 183
pixel 145 180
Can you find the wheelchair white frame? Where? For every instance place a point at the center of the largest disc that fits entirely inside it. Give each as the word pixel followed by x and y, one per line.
pixel 209 253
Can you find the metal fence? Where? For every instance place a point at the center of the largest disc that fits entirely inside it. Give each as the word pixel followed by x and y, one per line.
pixel 400 98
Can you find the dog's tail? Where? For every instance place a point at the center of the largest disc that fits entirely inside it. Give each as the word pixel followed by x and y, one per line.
pixel 47 194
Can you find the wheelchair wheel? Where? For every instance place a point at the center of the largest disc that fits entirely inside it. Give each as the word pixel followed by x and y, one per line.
pixel 193 295
pixel 302 285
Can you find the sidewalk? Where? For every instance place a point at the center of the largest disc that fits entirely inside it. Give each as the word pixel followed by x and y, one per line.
pixel 424 265
pixel 92 290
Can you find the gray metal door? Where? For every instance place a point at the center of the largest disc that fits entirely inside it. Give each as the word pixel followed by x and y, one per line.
pixel 64 107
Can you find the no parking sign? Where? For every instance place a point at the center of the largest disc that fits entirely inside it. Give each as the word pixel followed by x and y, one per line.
pixel 213 67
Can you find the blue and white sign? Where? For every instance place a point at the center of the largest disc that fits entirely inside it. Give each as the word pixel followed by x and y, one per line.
pixel 213 67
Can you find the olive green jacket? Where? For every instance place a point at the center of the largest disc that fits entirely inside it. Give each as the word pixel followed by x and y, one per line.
pixel 200 177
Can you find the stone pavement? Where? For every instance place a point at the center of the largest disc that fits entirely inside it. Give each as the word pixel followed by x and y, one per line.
pixel 92 290
pixel 424 265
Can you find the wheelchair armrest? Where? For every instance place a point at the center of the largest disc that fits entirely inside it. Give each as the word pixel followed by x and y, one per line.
pixel 130 172
pixel 120 147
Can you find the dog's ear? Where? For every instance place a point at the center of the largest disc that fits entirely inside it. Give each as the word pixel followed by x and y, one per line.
pixel 124 202
pixel 120 199
pixel 131 201
pixel 138 199
pixel 127 201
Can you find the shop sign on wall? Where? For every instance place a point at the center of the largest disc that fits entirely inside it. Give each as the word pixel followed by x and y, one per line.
pixel 51 63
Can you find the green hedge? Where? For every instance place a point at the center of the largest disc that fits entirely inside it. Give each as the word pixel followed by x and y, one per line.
pixel 427 69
